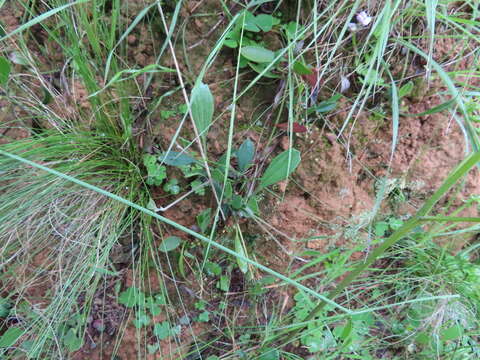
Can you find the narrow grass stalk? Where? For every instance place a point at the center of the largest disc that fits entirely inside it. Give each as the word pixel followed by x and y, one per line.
pixel 460 171
pixel 177 226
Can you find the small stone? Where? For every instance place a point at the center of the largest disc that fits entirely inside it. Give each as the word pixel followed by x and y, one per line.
pixel 98 325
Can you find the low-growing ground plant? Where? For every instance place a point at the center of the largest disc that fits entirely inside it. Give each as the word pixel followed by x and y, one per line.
pixel 146 152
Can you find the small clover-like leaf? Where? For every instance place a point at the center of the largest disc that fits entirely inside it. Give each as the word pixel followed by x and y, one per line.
pixel 169 244
pixel 131 297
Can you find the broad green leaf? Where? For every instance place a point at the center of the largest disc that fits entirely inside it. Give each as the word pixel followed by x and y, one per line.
pixel 203 219
pixel 237 202
pixel 258 54
pixel 269 354
pixel 5 307
pixel 4 70
pixel 10 337
pixel 224 283
pixel 72 341
pixel 301 69
pixel 169 244
pixel 406 89
pixel 326 105
pixel 204 317
pixel 280 168
pixel 292 29
pixel 252 204
pixel 212 269
pixel 347 330
pixel 243 265
pixel 250 23
pixel 452 333
pixel 228 192
pixel 245 154
pixel 230 43
pixel 264 21
pixel 175 158
pixel 202 108
pixel 259 68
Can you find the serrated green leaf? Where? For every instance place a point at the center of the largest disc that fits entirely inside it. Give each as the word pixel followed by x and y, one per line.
pixel 131 297
pixel 203 219
pixel 172 187
pixel 141 319
pixel 4 70
pixel 280 168
pixel 258 54
pixel 175 158
pixel 170 243
pixel 5 307
pixel 202 104
pixel 153 307
pixel 156 172
pixel 162 330
pixel 245 154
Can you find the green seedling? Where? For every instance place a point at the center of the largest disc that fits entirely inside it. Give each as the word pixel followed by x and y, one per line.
pixel 145 307
pixel 238 196
pixel 156 172
pixel 254 52
pixel 172 187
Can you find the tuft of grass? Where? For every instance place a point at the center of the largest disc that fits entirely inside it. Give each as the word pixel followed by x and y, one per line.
pixel 76 187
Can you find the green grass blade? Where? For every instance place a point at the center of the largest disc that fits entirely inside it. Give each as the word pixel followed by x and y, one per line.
pixel 177 226
pixel 40 18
